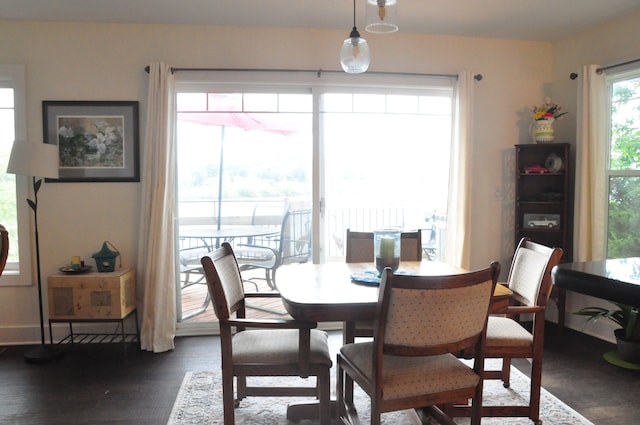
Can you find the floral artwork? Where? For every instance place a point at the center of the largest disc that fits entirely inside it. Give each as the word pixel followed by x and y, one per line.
pixel 548 111
pixel 97 140
pixel 91 141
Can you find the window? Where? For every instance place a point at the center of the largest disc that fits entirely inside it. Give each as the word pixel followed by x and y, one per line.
pixel 623 172
pixel 14 211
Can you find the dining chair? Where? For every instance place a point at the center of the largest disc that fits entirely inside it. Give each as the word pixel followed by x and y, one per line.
pixel 4 247
pixel 530 281
pixel 359 249
pixel 293 246
pixel 421 322
pixel 262 347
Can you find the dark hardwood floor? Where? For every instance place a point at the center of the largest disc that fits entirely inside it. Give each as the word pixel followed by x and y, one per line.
pixel 93 384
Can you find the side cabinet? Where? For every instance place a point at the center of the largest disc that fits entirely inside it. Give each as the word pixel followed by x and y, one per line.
pixel 543 201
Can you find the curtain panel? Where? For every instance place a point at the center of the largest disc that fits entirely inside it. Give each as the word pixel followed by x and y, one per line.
pixel 457 243
pixel 156 249
pixel 590 216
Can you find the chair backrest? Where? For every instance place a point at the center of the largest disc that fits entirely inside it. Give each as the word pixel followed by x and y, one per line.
pixel 359 246
pixel 295 237
pixel 530 272
pixel 4 247
pixel 430 315
pixel 224 282
pixel 267 215
pixel 411 246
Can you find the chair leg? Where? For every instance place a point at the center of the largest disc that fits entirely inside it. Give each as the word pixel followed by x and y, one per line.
pixel 506 372
pixel 324 389
pixel 242 387
pixel 228 403
pixel 534 398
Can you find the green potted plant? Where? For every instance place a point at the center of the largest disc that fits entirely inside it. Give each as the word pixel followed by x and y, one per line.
pixel 628 335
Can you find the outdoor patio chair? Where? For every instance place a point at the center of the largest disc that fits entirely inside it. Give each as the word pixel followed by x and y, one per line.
pixel 292 246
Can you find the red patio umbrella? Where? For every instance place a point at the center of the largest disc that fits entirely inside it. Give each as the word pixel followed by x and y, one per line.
pixel 272 122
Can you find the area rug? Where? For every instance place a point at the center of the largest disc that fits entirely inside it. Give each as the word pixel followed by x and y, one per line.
pixel 199 402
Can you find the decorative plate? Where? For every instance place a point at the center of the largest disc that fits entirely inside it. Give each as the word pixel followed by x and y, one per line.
pixel 553 163
pixel 68 269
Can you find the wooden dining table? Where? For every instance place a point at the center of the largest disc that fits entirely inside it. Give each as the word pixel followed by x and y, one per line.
pixel 326 293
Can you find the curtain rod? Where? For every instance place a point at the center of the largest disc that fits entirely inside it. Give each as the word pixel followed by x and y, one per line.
pixel 319 72
pixel 600 70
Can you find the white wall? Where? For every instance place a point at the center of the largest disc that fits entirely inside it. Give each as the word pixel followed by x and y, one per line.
pixel 69 61
pixel 609 44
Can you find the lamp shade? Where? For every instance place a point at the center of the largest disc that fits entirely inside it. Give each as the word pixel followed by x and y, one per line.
pixel 382 16
pixel 354 54
pixel 34 159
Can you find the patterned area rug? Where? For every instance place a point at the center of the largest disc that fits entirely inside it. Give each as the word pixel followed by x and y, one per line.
pixel 199 402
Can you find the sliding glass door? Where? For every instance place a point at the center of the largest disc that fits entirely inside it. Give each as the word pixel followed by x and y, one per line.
pixel 360 158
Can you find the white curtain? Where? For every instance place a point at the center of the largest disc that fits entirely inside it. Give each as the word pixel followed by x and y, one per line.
pixel 156 249
pixel 457 242
pixel 589 233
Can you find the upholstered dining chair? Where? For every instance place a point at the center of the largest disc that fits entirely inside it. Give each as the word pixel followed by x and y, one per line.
pixel 530 281
pixel 359 246
pixel 359 249
pixel 262 347
pixel 4 247
pixel 421 322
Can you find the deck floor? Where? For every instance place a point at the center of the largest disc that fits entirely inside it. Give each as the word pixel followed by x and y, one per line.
pixel 194 296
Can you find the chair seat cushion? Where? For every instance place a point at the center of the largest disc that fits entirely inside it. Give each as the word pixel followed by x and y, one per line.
pixel 505 332
pixel 278 347
pixel 410 376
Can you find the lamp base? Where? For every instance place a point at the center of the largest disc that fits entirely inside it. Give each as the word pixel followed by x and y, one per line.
pixel 42 354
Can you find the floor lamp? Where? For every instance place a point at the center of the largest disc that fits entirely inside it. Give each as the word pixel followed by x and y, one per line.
pixel 36 160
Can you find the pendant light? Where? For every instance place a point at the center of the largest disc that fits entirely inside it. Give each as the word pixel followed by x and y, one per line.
pixel 382 16
pixel 355 55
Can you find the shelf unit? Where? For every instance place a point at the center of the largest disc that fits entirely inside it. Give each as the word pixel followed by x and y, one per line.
pixel 543 202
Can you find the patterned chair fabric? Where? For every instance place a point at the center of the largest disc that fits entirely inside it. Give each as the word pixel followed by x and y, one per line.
pixel 530 280
pixel 422 321
pixel 264 347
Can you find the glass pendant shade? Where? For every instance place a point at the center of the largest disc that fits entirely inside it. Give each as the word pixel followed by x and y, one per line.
pixel 382 16
pixel 355 55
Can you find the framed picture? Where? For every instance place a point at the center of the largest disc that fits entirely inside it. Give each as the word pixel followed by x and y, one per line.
pixel 538 221
pixel 97 141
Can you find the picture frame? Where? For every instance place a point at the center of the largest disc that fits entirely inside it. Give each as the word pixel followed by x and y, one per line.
pixel 541 221
pixel 98 140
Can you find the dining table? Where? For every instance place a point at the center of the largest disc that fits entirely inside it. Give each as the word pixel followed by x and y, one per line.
pixel 348 293
pixel 333 292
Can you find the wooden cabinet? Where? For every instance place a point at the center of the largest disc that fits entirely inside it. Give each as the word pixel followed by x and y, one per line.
pixel 97 297
pixel 543 202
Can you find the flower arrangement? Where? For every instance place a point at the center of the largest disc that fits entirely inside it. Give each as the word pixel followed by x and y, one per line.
pixel 547 111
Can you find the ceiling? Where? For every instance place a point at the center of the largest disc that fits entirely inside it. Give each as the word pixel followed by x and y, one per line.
pixel 545 20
